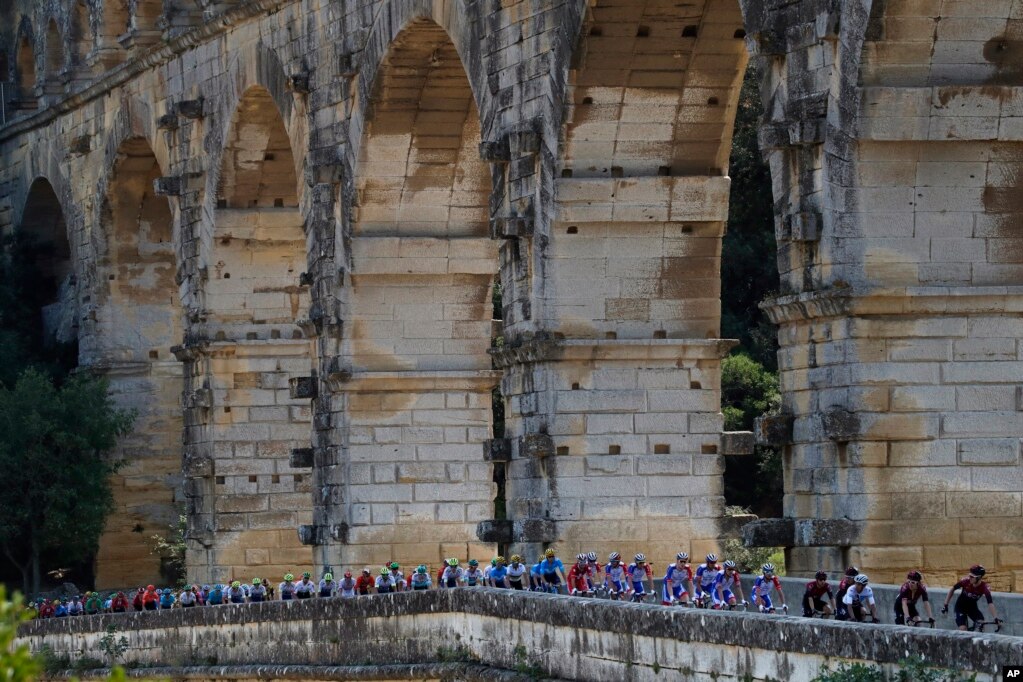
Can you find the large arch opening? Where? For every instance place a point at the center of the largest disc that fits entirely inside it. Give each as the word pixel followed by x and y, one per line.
pixel 138 320
pixel 422 271
pixel 42 244
pixel 255 296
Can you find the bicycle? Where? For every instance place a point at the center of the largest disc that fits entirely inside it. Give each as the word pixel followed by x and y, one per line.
pixel 980 624
pixel 771 610
pixel 921 623
pixel 821 614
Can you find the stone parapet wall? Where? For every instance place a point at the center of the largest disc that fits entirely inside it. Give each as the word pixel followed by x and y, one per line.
pixel 560 636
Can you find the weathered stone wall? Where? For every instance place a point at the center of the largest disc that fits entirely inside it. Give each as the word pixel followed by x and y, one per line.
pixel 335 187
pixel 562 636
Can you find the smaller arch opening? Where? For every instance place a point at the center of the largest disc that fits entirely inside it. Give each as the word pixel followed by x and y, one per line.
pixel 643 32
pixel 82 35
pixel 26 65
pixel 54 50
pixel 691 31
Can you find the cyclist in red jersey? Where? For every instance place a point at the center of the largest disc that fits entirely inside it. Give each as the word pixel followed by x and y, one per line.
pixel 578 575
pixel 966 607
pixel 841 612
pixel 912 591
pixel 813 598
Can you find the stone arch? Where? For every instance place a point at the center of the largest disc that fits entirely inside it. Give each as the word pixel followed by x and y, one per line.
pixel 82 35
pixel 422 267
pixel 42 229
pixel 53 52
pixel 654 89
pixel 255 297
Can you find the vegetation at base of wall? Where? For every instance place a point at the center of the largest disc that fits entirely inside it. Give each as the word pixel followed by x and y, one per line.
pixel 171 550
pixel 909 670
pixel 750 559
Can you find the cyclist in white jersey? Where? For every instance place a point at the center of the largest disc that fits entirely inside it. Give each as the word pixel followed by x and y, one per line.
pixel 517 572
pixel 346 588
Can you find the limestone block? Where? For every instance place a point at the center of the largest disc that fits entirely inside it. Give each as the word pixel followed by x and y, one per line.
pixel 989 451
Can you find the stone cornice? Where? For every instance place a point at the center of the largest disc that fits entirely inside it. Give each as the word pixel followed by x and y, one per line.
pixel 895 301
pixel 413 381
pixel 581 350
pixel 134 66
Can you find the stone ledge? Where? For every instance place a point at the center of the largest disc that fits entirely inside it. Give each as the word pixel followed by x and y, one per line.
pixel 482 380
pixel 470 672
pixel 581 350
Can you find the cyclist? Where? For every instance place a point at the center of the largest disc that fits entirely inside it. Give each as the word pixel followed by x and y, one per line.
pixel 93 603
pixel 706 574
pixel 327 586
pixel 61 608
pixel 119 603
pixel 287 588
pixel 674 590
pixel 813 597
pixel 420 580
pixel 726 585
pixel 473 576
pixel 516 569
pixel 235 594
pixel 385 582
pixel 216 596
pixel 967 604
pixel 499 574
pixel 150 599
pixel 577 576
pixel 487 570
pixel 75 607
pixel 763 586
pixel 167 599
pixel 858 595
pixel 136 601
pixel 841 612
pixel 595 569
pixel 912 591
pixel 305 587
pixel 187 598
pixel 552 571
pixel 398 576
pixel 535 577
pixel 257 593
pixel 364 582
pixel 346 587
pixel 615 576
pixel 639 573
pixel 453 576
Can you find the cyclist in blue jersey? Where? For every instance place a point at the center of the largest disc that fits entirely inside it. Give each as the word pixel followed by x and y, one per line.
pixel 535 578
pixel 639 575
pixel 616 576
pixel 499 574
pixel 762 587
pixel 674 590
pixel 706 574
pixel 726 586
pixel 552 571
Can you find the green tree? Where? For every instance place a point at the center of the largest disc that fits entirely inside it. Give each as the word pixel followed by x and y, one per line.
pixel 749 270
pixel 54 451
pixel 16 662
pixel 748 390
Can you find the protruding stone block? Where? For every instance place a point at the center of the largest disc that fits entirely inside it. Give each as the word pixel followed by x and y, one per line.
pixel 500 531
pixel 303 387
pixel 825 533
pixel 511 227
pixel 198 466
pixel 534 530
pixel 773 430
pixel 201 398
pixel 840 425
pixel 536 446
pixel 168 186
pixel 81 145
pixel 167 122
pixel 497 151
pixel 805 227
pixel 310 535
pixel 299 82
pixel 769 533
pixel 737 443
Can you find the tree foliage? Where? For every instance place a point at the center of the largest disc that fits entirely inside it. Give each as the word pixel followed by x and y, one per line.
pixel 749 271
pixel 16 662
pixel 53 451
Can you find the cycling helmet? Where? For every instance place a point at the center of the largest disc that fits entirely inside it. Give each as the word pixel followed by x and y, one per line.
pixel 729 564
pixel 767 568
pixel 289 577
pixel 188 588
pixel 977 570
pixel 712 558
pixel 306 575
pixel 548 552
pixel 473 563
pixel 614 556
pixel 821 575
pixel 862 579
pixel 500 560
pixel 452 561
pixel 591 556
pixel 236 583
pixel 640 558
pixel 852 572
pixel 205 588
pixel 493 562
pixel 328 576
pixel 516 558
pixel 394 566
pixel 580 557
pixel 257 581
pixel 366 570
pixel 914 575
pixel 383 570
pixel 682 556
pixel 348 574
pixel 421 569
pixel 150 588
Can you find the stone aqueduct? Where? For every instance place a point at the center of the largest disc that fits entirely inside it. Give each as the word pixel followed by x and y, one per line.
pixel 276 226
